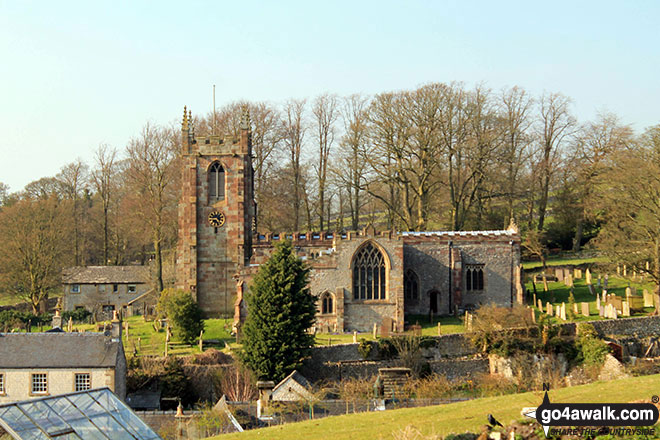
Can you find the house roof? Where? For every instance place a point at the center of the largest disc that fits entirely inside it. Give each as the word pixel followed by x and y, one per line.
pixel 283 390
pixel 105 275
pixel 58 350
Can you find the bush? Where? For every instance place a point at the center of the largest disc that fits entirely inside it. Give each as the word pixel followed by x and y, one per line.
pixel 78 315
pixel 592 350
pixel 365 348
pixel 183 312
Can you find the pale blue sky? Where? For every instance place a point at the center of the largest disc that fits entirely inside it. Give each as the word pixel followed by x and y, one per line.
pixel 76 74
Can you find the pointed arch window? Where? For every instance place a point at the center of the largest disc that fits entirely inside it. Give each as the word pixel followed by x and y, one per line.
pixel 410 285
pixel 216 182
pixel 327 304
pixel 474 277
pixel 369 273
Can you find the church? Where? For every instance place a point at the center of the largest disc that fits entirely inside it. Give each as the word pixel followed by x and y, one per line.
pixel 360 278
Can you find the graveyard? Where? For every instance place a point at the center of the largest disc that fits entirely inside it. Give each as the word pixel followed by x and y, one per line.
pixel 595 294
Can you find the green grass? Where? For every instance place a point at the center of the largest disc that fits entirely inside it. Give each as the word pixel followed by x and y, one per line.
pixel 558 292
pixel 448 325
pixel 561 261
pixel 452 418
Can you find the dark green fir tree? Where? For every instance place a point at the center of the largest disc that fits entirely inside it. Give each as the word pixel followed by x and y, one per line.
pixel 280 312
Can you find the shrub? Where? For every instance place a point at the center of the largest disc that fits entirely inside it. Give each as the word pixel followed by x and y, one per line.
pixel 77 315
pixel 183 312
pixel 365 348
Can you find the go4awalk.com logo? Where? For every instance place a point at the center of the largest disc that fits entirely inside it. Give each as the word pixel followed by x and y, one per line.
pixel 580 415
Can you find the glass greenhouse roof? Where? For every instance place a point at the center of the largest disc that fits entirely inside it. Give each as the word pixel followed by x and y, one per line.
pixel 86 415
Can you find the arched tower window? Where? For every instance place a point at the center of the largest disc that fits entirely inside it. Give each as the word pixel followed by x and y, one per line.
pixel 327 304
pixel 369 273
pixel 410 285
pixel 216 182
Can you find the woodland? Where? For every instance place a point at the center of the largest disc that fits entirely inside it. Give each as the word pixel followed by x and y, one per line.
pixel 443 156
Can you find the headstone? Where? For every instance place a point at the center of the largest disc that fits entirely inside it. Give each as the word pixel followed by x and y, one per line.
pixel 585 309
pixel 601 311
pixel 541 306
pixel 598 302
pixel 558 311
pixel 648 298
pixel 587 276
pixel 534 302
pixel 548 308
pixel 559 273
pixel 605 281
pixel 579 274
pixel 532 314
pixel 615 313
pixel 562 312
pixel 439 329
pixel 575 308
pixel 570 280
pixel 592 290
pixel 375 331
pixel 647 265
pixel 355 337
pixel 608 311
pixel 625 270
pixel 599 281
pixel 626 309
pixel 628 292
pixel 618 269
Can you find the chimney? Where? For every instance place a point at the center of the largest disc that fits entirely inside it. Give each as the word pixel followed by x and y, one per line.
pixel 115 326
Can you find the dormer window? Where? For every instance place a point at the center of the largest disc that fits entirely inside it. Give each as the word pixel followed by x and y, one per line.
pixel 216 182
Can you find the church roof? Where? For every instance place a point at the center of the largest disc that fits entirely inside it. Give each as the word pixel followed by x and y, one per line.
pixel 58 350
pixel 503 232
pixel 105 275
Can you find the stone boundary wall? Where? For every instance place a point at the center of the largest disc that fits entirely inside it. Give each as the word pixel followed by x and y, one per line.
pixel 343 361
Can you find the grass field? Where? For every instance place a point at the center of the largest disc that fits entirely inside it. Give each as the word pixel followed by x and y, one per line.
pixel 561 261
pixel 452 418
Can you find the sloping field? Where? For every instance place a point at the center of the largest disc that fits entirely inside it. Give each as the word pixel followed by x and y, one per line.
pixel 452 418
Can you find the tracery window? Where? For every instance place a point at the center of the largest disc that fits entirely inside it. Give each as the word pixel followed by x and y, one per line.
pixel 410 285
pixel 327 304
pixel 216 182
pixel 369 273
pixel 474 277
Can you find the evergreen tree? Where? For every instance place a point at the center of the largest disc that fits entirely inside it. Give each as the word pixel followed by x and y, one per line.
pixel 280 311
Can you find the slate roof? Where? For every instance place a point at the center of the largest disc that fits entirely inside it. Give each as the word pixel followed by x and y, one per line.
pixel 105 275
pixel 457 233
pixel 58 350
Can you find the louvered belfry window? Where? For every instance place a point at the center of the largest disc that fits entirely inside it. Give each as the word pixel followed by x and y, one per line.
pixel 216 182
pixel 369 273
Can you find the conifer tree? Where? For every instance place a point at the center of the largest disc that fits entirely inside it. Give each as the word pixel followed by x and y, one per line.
pixel 280 312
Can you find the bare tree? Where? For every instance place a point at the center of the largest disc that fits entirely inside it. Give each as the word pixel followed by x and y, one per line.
pixel 293 135
pixel 555 126
pixel 103 179
pixel 326 112
pixel 152 173
pixel 73 181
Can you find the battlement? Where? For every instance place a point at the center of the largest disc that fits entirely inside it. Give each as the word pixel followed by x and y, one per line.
pixel 227 139
pixel 320 239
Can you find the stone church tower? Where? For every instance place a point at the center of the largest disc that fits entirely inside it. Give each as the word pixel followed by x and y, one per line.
pixel 217 215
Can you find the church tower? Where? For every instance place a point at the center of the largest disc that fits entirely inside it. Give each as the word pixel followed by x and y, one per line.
pixel 216 215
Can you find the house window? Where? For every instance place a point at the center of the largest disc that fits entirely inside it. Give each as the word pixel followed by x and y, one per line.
pixel 75 288
pixel 474 277
pixel 327 304
pixel 216 182
pixel 410 285
pixel 39 383
pixel 369 273
pixel 115 288
pixel 83 381
pixel 132 288
pixel 2 383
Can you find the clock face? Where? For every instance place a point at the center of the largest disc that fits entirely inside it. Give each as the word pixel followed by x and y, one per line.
pixel 216 219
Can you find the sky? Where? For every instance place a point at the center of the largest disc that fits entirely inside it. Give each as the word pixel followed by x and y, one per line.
pixel 74 75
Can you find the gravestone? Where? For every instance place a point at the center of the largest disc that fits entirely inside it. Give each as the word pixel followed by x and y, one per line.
pixel 618 269
pixel 625 270
pixel 648 298
pixel 570 280
pixel 386 327
pixel 559 273
pixel 540 306
pixel 562 312
pixel 636 303
pixel 598 302
pixel 587 276
pixel 626 309
pixel 628 291
pixel 575 308
pixel 548 308
pixel 592 290
pixel 601 311
pixel 599 281
pixel 647 265
pixel 585 309
pixel 616 302
pixel 558 311
pixel 605 281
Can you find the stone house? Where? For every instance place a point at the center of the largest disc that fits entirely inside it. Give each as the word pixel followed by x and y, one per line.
pixel 360 278
pixel 104 289
pixel 35 365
